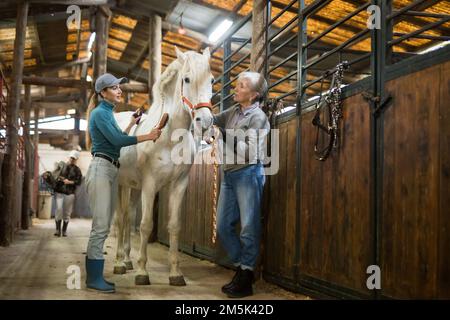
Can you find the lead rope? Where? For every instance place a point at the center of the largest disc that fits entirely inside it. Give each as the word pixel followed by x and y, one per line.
pixel 214 193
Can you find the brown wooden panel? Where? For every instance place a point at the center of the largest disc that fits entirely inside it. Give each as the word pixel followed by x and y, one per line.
pixel 291 199
pixel 280 228
pixel 410 206
pixel 336 227
pixel 280 203
pixel 444 218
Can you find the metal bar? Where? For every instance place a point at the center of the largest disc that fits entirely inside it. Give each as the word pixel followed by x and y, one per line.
pixel 310 83
pixel 283 79
pixel 338 23
pixel 424 14
pixel 424 36
pixel 237 62
pixel 343 45
pixel 314 7
pixel 404 9
pixel 238 49
pixel 286 94
pixel 283 28
pixel 228 96
pixel 235 78
pixel 226 73
pixel 283 11
pixel 282 62
pixel 427 27
pixel 283 44
pixel 301 58
pixel 233 30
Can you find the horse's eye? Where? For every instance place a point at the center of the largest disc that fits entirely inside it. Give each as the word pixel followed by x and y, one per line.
pixel 212 80
pixel 187 80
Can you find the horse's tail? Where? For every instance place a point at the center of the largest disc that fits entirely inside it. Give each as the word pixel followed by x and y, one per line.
pixel 93 101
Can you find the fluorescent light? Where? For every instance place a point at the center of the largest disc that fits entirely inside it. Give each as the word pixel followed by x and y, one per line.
pixel 220 30
pixel 91 41
pixel 71 111
pixel 435 47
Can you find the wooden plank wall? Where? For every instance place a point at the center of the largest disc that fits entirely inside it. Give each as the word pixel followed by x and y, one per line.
pixel 415 242
pixel 335 224
pixel 336 243
pixel 280 213
pixel 196 211
pixel 327 243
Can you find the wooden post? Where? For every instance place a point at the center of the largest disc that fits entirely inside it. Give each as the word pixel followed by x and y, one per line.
pixel 101 41
pixel 257 56
pixel 9 165
pixel 154 52
pixel 27 169
pixel 36 158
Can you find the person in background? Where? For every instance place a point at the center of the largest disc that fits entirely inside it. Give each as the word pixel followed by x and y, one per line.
pixel 69 178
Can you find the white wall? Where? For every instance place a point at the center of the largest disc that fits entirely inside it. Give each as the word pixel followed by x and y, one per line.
pixel 50 155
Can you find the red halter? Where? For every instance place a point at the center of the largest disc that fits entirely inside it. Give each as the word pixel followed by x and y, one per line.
pixel 191 105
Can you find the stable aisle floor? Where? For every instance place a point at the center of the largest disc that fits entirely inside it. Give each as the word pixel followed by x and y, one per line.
pixel 35 265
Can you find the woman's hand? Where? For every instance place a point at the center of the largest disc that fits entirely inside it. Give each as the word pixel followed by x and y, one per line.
pixel 134 120
pixel 154 134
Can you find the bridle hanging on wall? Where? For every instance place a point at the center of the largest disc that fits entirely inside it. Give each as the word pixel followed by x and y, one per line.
pixel 331 108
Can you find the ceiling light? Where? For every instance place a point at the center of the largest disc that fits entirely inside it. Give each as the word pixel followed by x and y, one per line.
pixel 220 30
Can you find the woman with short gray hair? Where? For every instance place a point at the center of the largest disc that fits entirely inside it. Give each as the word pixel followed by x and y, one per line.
pixel 243 181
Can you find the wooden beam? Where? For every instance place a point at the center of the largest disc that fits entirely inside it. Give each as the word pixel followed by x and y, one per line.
pixel 70 2
pixel 136 88
pixel 26 196
pixel 55 82
pixel 257 56
pixel 36 159
pixel 58 66
pixel 9 166
pixel 58 98
pixel 101 43
pixel 154 51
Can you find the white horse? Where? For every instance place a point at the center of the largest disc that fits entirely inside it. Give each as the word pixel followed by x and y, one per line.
pixel 184 92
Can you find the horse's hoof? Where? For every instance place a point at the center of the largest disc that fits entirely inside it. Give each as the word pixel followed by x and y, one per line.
pixel 129 265
pixel 177 281
pixel 120 270
pixel 141 280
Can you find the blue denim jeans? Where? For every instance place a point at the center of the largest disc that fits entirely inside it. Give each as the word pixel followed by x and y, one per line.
pixel 240 200
pixel 102 185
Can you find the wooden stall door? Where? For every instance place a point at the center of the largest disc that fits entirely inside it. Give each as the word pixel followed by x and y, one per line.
pixel 336 224
pixel 415 237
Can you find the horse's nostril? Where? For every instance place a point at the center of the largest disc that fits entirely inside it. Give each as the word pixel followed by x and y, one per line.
pixel 198 119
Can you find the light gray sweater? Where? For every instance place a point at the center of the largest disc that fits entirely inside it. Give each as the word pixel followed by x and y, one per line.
pixel 245 136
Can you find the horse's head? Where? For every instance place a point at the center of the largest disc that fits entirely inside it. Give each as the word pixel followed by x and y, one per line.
pixel 196 87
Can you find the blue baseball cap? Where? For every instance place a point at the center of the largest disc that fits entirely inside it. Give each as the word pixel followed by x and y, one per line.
pixel 108 80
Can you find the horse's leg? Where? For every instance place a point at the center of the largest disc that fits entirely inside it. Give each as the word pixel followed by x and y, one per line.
pixel 177 191
pixel 121 217
pixel 134 197
pixel 148 197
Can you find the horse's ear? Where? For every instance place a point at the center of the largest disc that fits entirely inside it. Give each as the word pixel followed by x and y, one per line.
pixel 207 53
pixel 180 55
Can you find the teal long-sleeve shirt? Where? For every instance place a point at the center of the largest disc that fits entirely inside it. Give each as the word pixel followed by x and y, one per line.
pixel 106 136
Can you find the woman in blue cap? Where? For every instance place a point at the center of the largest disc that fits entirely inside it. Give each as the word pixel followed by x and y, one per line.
pixel 106 139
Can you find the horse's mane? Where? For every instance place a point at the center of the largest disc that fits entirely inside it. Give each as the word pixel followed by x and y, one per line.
pixel 161 86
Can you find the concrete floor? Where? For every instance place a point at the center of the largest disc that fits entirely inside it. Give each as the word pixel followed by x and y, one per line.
pixel 34 267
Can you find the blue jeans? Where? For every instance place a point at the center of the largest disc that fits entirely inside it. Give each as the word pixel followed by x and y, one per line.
pixel 240 200
pixel 102 185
